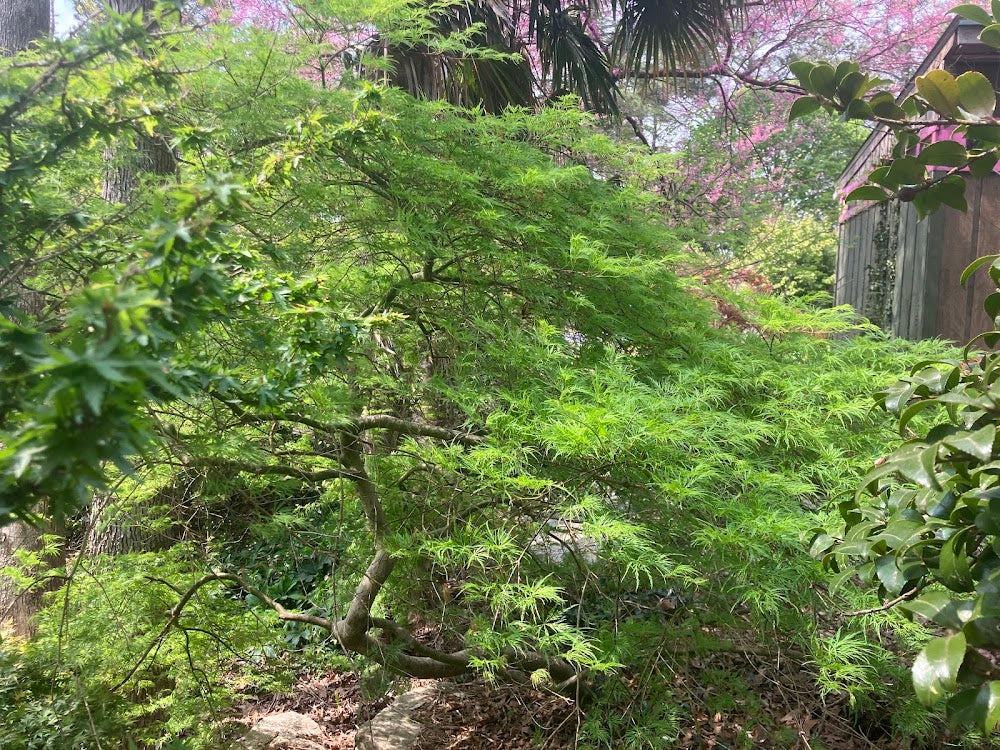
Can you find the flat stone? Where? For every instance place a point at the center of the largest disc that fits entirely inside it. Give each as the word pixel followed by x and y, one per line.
pixel 285 731
pixel 393 728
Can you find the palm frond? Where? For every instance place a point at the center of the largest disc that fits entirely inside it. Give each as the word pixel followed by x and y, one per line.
pixel 571 58
pixel 666 34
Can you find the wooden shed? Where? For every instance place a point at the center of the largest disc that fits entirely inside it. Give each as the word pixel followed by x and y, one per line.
pixel 902 273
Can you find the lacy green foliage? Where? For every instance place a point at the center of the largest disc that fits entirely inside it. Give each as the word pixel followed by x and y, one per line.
pixel 795 255
pixel 476 280
pixel 93 635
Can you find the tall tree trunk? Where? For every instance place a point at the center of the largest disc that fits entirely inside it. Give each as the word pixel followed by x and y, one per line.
pixel 149 155
pixel 114 528
pixel 21 23
pixel 16 606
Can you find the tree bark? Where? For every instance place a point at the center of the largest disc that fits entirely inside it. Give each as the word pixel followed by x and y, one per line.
pixel 116 530
pixel 149 155
pixel 22 22
pixel 16 607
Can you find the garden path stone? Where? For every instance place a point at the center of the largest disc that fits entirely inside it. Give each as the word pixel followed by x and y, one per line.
pixel 285 731
pixel 394 728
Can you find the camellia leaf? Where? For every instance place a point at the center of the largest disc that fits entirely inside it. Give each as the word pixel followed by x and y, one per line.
pixel 939 607
pixel 803 106
pixel 940 90
pixel 822 80
pixel 907 171
pixel 944 154
pixel 936 668
pixel 867 193
pixel 991 35
pixel 972 13
pixel 975 94
pixel 801 70
pixel 978 444
pixel 889 574
pixel 951 192
pixel 979 707
pixel 976 265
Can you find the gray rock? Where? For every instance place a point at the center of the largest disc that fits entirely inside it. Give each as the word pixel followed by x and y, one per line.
pixel 285 731
pixel 394 728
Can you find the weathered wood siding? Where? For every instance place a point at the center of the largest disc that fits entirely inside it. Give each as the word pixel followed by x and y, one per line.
pixel 928 300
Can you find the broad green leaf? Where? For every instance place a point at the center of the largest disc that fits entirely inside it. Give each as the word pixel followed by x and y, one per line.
pixel 822 80
pixel 803 106
pixel 978 444
pixel 941 608
pixel 940 90
pixel 801 70
pixel 907 171
pixel 991 35
pixel 867 193
pixel 918 467
pixel 951 192
pixel 976 707
pixel 953 567
pixel 972 13
pixel 975 94
pixel 889 574
pixel 936 668
pixel 850 86
pixel 944 154
pixel 975 265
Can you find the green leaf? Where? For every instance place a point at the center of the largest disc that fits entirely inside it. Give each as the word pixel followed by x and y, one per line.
pixel 918 467
pixel 867 193
pixel 801 70
pixel 884 105
pixel 991 35
pixel 803 106
pixel 951 192
pixel 850 86
pixel 907 171
pixel 982 165
pixel 976 265
pixel 936 668
pixel 975 94
pixel 978 444
pixel 944 154
pixel 889 574
pixel 820 544
pixel 911 411
pixel 822 80
pixel 953 566
pixel 939 607
pixel 940 90
pixel 978 707
pixel 972 13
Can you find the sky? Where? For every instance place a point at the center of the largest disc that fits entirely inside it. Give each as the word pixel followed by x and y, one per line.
pixel 63 16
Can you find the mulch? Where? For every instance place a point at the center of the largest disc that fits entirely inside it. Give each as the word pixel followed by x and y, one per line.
pixel 785 711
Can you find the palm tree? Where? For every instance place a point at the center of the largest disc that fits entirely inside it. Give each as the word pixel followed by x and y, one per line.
pixel 583 48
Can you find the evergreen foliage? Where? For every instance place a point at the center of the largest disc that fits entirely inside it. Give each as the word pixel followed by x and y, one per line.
pixel 384 366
